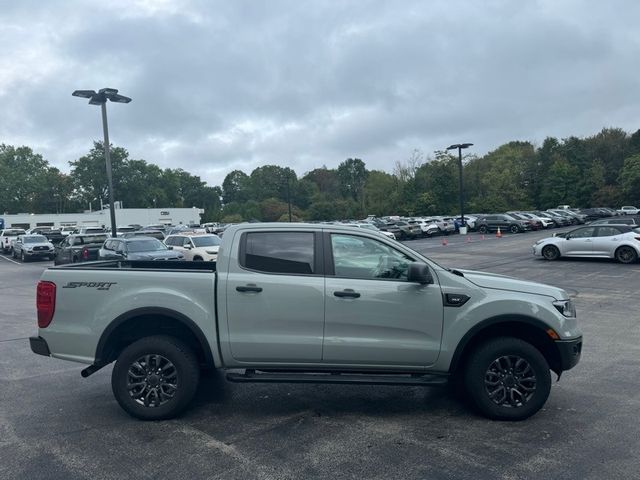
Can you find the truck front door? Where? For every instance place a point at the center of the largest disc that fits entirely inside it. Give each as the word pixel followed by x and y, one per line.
pixel 373 316
pixel 275 298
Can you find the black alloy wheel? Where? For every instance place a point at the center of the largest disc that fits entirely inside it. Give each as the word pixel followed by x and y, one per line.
pixel 550 252
pixel 155 377
pixel 483 229
pixel 515 229
pixel 626 254
pixel 507 378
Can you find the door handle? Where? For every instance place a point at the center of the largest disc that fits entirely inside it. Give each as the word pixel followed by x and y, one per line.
pixel 347 293
pixel 249 288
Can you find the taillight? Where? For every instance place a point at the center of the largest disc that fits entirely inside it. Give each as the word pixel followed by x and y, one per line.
pixel 45 303
pixel 85 253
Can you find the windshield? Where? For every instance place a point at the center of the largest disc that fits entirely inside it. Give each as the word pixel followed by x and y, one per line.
pixel 209 241
pixel 145 245
pixel 35 239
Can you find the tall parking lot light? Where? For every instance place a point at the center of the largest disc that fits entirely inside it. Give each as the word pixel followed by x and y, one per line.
pixel 101 98
pixel 460 146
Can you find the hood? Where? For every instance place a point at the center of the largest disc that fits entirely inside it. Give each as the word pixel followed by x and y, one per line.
pixel 502 282
pixel 39 244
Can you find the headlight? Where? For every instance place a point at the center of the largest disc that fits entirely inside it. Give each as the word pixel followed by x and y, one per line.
pixel 566 308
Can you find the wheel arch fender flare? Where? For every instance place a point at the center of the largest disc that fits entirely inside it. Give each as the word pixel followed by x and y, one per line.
pixel 103 353
pixel 520 326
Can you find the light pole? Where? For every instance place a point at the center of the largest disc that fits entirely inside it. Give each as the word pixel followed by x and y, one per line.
pixel 289 196
pixel 460 146
pixel 101 98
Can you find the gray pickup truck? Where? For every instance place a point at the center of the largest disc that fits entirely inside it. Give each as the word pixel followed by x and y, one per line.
pixel 308 303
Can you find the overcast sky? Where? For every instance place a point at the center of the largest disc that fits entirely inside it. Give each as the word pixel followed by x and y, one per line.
pixel 218 86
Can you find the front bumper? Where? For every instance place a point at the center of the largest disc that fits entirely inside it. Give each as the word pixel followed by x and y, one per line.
pixel 570 352
pixel 39 345
pixel 38 253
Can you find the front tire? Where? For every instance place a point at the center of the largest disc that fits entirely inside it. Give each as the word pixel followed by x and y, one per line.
pixel 507 379
pixel 155 378
pixel 550 252
pixel 626 254
pixel 483 229
pixel 515 229
pixel 22 257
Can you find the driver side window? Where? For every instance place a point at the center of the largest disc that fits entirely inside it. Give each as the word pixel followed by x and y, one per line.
pixel 583 232
pixel 366 258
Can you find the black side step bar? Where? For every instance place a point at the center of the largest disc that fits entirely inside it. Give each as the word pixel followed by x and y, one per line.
pixel 250 376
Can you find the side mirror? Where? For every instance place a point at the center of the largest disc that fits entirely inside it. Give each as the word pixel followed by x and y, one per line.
pixel 419 273
pixel 169 248
pixel 188 247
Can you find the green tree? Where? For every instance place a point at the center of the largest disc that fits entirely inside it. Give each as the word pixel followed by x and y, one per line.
pixel 352 176
pixel 89 174
pixel 24 178
pixel 272 181
pixel 630 179
pixel 236 187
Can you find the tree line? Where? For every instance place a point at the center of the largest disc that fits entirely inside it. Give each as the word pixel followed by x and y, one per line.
pixel 599 170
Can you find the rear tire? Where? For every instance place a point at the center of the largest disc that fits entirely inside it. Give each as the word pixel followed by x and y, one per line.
pixel 550 252
pixel 155 378
pixel 626 254
pixel 507 379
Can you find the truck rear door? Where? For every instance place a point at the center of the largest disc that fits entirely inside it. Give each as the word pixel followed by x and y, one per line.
pixel 275 297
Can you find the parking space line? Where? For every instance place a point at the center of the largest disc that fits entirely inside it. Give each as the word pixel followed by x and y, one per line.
pixel 9 260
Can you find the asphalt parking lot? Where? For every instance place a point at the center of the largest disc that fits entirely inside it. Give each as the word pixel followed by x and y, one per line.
pixel 56 425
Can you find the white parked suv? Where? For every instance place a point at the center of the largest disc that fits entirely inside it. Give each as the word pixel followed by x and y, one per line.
pixel 629 210
pixel 195 246
pixel 428 227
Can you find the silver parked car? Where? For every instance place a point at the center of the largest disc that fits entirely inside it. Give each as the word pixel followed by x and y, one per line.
pixel 26 247
pixel 621 242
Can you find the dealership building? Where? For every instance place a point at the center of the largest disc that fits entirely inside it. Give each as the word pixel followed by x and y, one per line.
pixel 100 218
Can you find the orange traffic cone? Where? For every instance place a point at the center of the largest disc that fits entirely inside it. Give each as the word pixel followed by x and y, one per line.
pixel 498 233
pixel 444 242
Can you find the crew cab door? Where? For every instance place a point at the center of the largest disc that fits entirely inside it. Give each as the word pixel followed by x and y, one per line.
pixel 275 298
pixel 373 315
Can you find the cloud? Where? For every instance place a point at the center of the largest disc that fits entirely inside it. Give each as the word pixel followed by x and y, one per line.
pixel 223 85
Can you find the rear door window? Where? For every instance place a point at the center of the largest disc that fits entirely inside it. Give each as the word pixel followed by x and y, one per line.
pixel 279 252
pixel 607 232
